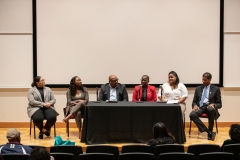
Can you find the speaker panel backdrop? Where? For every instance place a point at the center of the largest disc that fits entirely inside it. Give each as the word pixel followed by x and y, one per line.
pixel 129 38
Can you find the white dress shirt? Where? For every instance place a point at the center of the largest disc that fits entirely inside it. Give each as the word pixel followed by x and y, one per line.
pixel 113 94
pixel 174 94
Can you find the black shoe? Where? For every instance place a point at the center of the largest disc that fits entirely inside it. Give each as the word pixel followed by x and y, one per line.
pixel 211 136
pixel 40 135
pixel 47 133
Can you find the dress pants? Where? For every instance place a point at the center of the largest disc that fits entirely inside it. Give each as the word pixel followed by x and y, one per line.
pixel 78 110
pixel 44 113
pixel 194 116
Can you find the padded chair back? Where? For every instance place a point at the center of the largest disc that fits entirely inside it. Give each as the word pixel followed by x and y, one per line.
pixel 216 156
pixel 136 156
pixel 197 149
pixel 15 156
pixel 176 156
pixel 96 156
pixel 103 149
pixel 62 156
pixel 166 148
pixel 75 150
pixel 233 148
pixel 36 146
pixel 137 148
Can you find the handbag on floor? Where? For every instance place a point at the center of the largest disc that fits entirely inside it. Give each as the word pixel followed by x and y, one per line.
pixel 60 142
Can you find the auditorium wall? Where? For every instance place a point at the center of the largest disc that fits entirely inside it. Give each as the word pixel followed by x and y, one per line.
pixel 15 39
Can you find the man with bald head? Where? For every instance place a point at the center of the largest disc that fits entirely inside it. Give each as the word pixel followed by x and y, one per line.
pixel 113 91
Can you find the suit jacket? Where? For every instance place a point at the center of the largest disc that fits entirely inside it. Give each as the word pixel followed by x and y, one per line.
pixel 70 98
pixel 35 99
pixel 121 92
pixel 214 97
pixel 151 93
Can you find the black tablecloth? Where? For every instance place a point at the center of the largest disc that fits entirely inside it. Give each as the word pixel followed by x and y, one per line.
pixel 129 122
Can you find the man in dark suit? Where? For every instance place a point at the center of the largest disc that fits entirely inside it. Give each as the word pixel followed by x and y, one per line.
pixel 207 98
pixel 113 91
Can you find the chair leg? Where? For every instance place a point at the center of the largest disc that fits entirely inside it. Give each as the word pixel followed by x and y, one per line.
pixel 34 131
pixel 67 126
pixel 54 130
pixel 184 122
pixel 190 127
pixel 30 126
pixel 216 126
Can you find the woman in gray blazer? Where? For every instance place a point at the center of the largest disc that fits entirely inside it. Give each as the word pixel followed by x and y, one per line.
pixel 77 98
pixel 41 106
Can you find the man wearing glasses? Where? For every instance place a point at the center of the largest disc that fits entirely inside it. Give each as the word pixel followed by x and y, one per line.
pixel 113 91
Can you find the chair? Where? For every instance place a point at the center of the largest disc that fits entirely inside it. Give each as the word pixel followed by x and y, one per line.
pixel 62 156
pixel 176 156
pixel 103 149
pixel 15 156
pixel 95 156
pixel 166 148
pixel 197 149
pixel 136 156
pixel 75 150
pixel 233 148
pixel 36 146
pixel 137 148
pixel 31 121
pixel 204 115
pixel 216 156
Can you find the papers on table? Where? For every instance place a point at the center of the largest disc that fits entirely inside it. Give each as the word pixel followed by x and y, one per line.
pixel 172 101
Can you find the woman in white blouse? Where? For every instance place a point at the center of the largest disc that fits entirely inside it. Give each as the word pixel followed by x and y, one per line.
pixel 173 90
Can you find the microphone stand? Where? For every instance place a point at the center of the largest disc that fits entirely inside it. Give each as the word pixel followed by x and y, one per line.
pixel 97 96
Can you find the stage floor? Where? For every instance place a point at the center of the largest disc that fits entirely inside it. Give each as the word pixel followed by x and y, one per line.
pixel 194 138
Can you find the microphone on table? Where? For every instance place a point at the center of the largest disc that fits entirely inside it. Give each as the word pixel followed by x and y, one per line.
pixel 160 87
pixel 139 98
pixel 97 96
pixel 97 93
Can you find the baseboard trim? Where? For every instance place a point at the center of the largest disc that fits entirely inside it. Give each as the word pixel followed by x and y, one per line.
pixel 73 124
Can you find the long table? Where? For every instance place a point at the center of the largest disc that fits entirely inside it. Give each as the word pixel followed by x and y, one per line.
pixel 129 122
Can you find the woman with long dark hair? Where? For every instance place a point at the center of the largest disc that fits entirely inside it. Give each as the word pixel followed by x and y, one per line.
pixel 41 106
pixel 174 90
pixel 77 98
pixel 161 135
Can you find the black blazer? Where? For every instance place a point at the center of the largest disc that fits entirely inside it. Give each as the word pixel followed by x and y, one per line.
pixel 104 94
pixel 214 97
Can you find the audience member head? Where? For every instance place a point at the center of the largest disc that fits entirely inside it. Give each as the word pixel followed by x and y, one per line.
pixel 40 154
pixel 160 131
pixel 173 78
pixel 144 80
pixel 206 78
pixel 38 81
pixel 75 83
pixel 234 132
pixel 13 135
pixel 113 81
